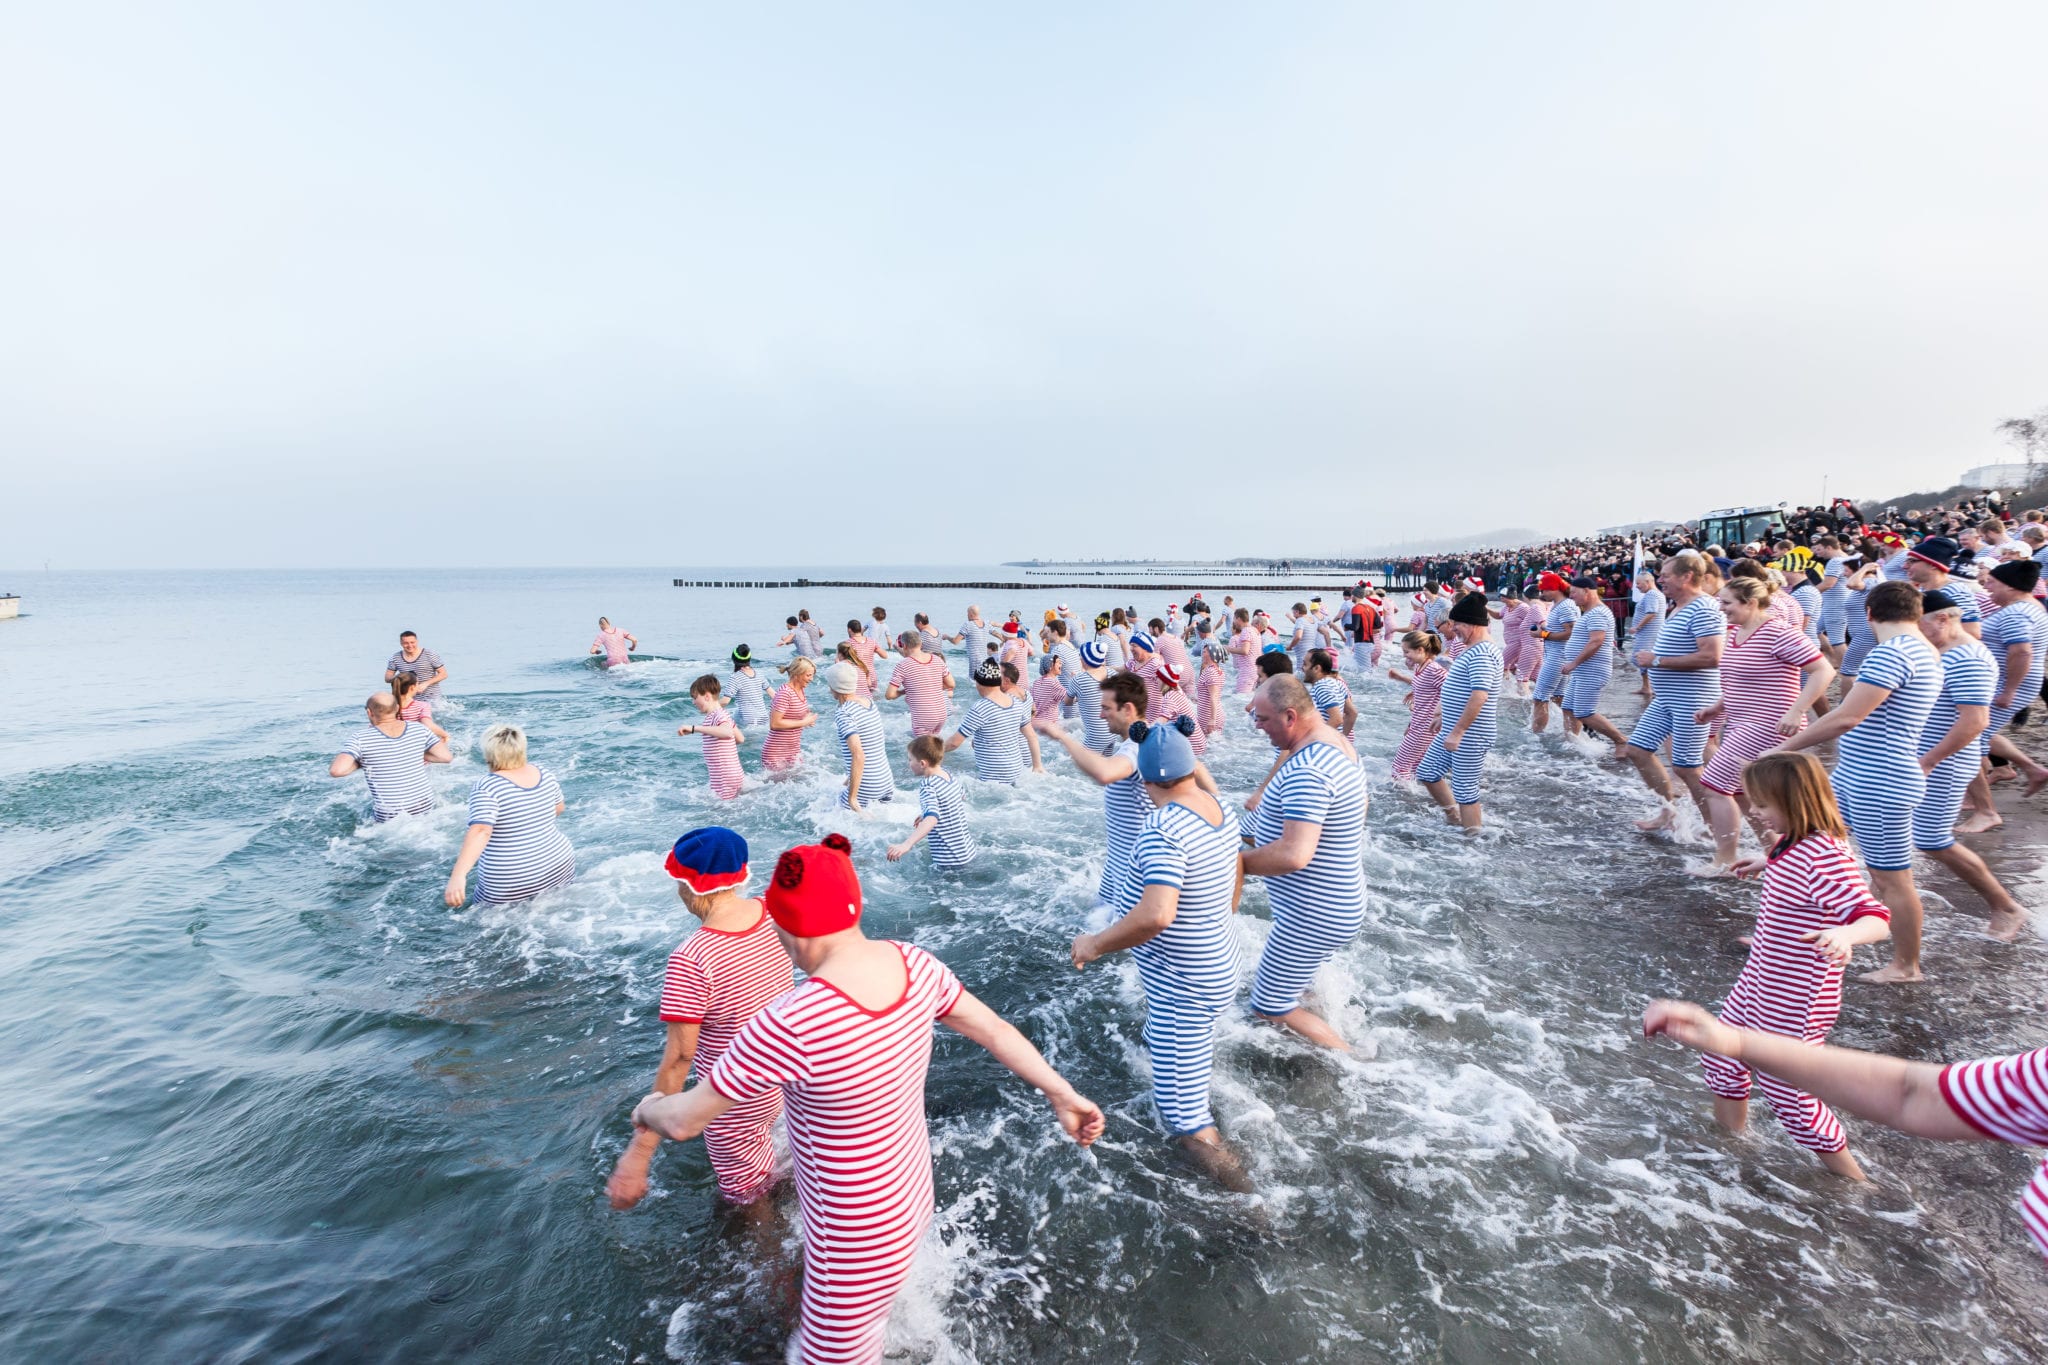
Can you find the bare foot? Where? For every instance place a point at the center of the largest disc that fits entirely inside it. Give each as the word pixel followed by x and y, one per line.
pixel 1842 1164
pixel 2006 924
pixel 2004 775
pixel 1709 870
pixel 1661 820
pixel 1745 940
pixel 1892 974
pixel 2036 780
pixel 1979 822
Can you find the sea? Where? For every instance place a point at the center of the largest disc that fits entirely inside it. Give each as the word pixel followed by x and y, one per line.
pixel 267 1099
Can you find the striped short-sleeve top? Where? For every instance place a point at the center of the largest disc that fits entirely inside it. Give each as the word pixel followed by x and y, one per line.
pixel 975 638
pixel 1318 785
pixel 923 684
pixel 1681 633
pixel 719 979
pixel 1563 616
pixel 860 718
pixel 395 766
pixel 426 666
pixel 749 704
pixel 528 853
pixel 1476 669
pixel 1329 693
pixel 1001 753
pixel 1086 694
pixel 1760 672
pixel 1649 615
pixel 721 755
pixel 1125 808
pixel 952 842
pixel 1196 956
pixel 2021 623
pixel 1888 739
pixel 1048 694
pixel 1600 621
pixel 1969 677
pixel 2006 1098
pixel 809 639
pixel 1808 598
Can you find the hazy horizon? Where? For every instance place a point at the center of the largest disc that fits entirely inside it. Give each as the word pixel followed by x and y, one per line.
pixel 427 287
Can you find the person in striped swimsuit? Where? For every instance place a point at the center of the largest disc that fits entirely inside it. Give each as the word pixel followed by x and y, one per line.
pixel 1144 656
pixel 925 680
pixel 1834 596
pixel 1060 645
pixel 512 841
pixel 928 639
pixel 750 705
pixel 848 1051
pixel 1084 690
pixel 1244 649
pixel 788 717
pixel 861 649
pixel 805 637
pixel 1425 680
pixel 719 736
pixel 1771 675
pixel 868 779
pixel 1114 635
pixel 1685 679
pixel 1951 753
pixel 1175 703
pixel 1330 693
pixel 2016 633
pixel 616 645
pixel 1856 629
pixel 1169 647
pixel 1807 594
pixel 720 977
pixel 941 809
pixel 405 693
pixel 1644 622
pixel 1471 712
pixel 392 755
pixel 878 631
pixel 1209 688
pixel 1048 692
pixel 1514 630
pixel 1589 663
pixel 973 635
pixel 1813 914
pixel 1555 632
pixel 1016 647
pixel 1183 884
pixel 1308 842
pixel 1878 779
pixel 999 724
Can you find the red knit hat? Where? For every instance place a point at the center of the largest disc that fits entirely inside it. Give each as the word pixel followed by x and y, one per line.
pixel 1550 582
pixel 815 891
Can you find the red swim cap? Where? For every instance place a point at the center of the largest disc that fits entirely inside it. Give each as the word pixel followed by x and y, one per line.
pixel 815 891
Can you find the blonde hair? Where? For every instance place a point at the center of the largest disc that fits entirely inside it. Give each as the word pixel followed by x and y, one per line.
pixel 504 747
pixel 801 664
pixel 1796 786
pixel 1751 591
pixel 1423 642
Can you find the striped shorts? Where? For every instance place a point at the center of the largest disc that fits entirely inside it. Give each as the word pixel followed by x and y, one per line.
pixel 1548 675
pixel 1415 742
pixel 1807 1121
pixel 1301 942
pixel 1582 689
pixel 1670 716
pixel 1741 745
pixel 1934 819
pixel 1463 767
pixel 1879 810
pixel 1180 1040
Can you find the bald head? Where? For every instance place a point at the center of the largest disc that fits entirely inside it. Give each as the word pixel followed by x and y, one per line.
pixel 381 706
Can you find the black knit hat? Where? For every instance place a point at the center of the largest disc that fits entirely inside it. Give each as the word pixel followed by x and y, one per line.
pixel 1470 610
pixel 2020 574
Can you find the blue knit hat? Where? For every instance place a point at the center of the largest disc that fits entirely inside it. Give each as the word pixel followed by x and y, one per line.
pixel 1140 640
pixel 1164 751
pixel 1093 654
pixel 709 859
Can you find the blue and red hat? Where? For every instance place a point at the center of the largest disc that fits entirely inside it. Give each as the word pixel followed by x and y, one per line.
pixel 709 859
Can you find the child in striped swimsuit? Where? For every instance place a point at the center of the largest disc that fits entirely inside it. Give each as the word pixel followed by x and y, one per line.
pixel 1420 648
pixel 723 975
pixel 1814 913
pixel 942 809
pixel 1209 688
pixel 722 739
pixel 748 700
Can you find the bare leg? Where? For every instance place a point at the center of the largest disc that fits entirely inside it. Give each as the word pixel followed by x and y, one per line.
pixel 2037 776
pixel 1842 1164
pixel 1657 780
pixel 1540 718
pixel 2008 916
pixel 1896 890
pixel 1440 792
pixel 1726 819
pixel 1572 724
pixel 1309 1025
pixel 1217 1159
pixel 1977 799
pixel 1691 778
pixel 1731 1114
pixel 1605 728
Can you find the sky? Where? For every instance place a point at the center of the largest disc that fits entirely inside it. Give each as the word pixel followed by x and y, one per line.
pixel 503 284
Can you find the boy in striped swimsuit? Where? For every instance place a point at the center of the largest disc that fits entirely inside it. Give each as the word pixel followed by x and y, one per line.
pixel 1001 730
pixel 1183 886
pixel 848 1051
pixel 941 809
pixel 1330 693
pixel 1048 693
pixel 1308 837
pixel 723 975
pixel 721 739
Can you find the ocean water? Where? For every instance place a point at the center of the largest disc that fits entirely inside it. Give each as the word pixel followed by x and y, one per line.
pixel 267 1099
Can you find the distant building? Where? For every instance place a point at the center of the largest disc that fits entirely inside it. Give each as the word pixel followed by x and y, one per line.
pixel 1995 476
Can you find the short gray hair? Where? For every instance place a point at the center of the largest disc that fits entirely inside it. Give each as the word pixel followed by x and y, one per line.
pixel 1285 692
pixel 504 747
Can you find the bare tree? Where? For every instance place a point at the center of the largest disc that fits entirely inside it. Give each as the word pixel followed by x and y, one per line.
pixel 2029 436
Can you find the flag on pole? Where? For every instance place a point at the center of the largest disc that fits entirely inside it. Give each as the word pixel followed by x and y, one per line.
pixel 1635 591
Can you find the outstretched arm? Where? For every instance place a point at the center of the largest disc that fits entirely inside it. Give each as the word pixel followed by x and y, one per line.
pixel 681 1117
pixel 1078 1115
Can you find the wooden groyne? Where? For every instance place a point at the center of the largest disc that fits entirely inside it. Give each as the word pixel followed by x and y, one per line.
pixel 1397 583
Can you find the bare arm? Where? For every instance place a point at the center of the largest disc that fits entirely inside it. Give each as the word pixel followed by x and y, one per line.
pixel 1971 721
pixel 1099 767
pixel 1078 1115
pixel 1818 676
pixel 856 764
pixel 1863 698
pixel 1708 655
pixel 1291 852
pixel 1595 642
pixel 344 764
pixel 681 1117
pixel 628 1184
pixel 2019 657
pixel 440 753
pixel 1149 918
pixel 472 848
pixel 1473 705
pixel 925 825
pixel 1897 1093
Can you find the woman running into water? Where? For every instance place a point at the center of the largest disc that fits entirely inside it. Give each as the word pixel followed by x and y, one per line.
pixel 788 717
pixel 615 645
pixel 513 842
pixel 1244 649
pixel 1421 649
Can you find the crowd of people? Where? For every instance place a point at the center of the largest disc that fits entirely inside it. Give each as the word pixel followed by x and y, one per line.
pixel 1911 662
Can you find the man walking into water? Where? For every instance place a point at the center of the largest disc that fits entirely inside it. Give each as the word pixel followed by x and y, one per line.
pixel 392 755
pixel 1685 679
pixel 423 664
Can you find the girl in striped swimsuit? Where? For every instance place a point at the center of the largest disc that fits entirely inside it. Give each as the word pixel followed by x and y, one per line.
pixel 1814 913
pixel 404 686
pixel 1048 693
pixel 859 654
pixel 868 779
pixel 1426 683
pixel 723 975
pixel 1209 689
pixel 788 718
pixel 848 1051
pixel 749 704
pixel 721 739
pixel 925 680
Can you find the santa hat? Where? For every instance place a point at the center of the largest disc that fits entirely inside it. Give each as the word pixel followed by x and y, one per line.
pixel 815 891
pixel 709 859
pixel 1168 674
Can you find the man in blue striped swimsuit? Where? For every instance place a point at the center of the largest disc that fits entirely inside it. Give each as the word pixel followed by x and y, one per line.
pixel 1685 679
pixel 1555 634
pixel 1469 705
pixel 1309 837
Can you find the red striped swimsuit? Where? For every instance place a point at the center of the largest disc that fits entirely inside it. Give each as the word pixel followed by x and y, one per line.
pixel 1174 703
pixel 1422 721
pixel 721 757
pixel 1047 695
pixel 1209 696
pixel 718 979
pixel 864 647
pixel 924 691
pixel 1759 683
pixel 852 1081
pixel 782 746
pixel 1244 648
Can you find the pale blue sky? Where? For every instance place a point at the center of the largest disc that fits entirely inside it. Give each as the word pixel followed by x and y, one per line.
pixel 381 284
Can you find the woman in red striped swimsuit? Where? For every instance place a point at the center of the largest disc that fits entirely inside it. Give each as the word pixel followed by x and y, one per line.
pixel 788 717
pixel 848 1051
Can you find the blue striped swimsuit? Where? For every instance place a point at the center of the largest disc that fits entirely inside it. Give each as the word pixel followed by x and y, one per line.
pixel 1834 603
pixel 1582 689
pixel 750 708
pixel 1549 681
pixel 1643 625
pixel 952 843
pixel 527 853
pixel 1086 694
pixel 1069 668
pixel 1877 777
pixel 1189 969
pixel 1677 695
pixel 2021 623
pixel 1125 809
pixel 1320 908
pixel 1808 598
pixel 857 717
pixel 1477 668
pixel 1969 677
pixel 1001 753
pixel 1330 694
pixel 395 767
pixel 1856 630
